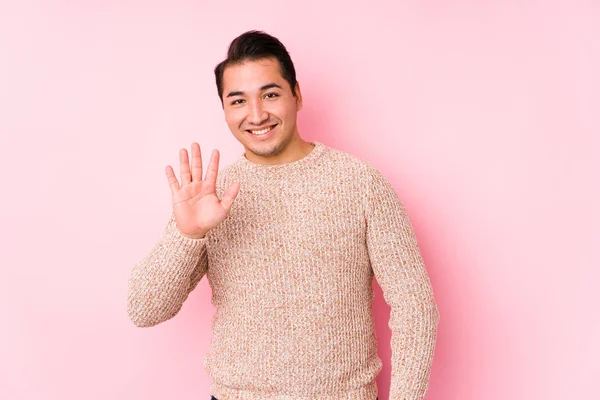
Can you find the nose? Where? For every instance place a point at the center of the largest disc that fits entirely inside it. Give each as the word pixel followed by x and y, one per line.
pixel 256 113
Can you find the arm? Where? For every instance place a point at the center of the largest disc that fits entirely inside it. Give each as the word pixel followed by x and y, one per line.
pixel 398 266
pixel 160 283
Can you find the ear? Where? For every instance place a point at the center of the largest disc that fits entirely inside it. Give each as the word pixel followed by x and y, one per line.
pixel 298 97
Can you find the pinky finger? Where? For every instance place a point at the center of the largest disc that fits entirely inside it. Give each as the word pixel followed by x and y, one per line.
pixel 173 182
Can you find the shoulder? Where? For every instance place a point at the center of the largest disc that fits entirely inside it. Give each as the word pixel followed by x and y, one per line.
pixel 371 177
pixel 345 161
pixel 371 186
pixel 361 168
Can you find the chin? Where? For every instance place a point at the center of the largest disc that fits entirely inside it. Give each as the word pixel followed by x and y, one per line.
pixel 267 150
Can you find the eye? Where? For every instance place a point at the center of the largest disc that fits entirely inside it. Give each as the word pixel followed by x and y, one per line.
pixel 236 102
pixel 271 95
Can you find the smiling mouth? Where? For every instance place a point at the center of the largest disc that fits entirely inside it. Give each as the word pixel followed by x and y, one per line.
pixel 260 132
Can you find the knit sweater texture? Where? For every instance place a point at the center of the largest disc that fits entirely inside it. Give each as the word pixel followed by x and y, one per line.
pixel 291 272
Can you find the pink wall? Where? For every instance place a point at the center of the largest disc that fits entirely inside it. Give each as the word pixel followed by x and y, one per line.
pixel 484 115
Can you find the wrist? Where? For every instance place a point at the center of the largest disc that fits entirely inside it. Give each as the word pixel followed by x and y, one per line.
pixel 199 235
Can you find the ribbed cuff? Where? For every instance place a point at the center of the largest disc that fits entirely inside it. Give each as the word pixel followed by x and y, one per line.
pixel 178 243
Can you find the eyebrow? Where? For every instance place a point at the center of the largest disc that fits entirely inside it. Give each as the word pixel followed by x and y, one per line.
pixel 263 88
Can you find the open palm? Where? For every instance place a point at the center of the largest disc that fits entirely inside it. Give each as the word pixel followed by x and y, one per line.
pixel 196 206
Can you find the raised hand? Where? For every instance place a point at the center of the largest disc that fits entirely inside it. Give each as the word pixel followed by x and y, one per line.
pixel 196 206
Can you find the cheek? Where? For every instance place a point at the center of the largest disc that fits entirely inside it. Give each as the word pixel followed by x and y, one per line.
pixel 283 110
pixel 233 118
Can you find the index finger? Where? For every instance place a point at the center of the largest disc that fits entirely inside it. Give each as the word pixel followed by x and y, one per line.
pixel 213 167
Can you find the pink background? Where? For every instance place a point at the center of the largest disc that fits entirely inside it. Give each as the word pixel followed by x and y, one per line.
pixel 484 115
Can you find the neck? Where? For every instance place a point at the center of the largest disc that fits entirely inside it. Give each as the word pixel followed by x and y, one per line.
pixel 295 150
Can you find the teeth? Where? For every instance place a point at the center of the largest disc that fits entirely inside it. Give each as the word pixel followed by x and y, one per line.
pixel 261 132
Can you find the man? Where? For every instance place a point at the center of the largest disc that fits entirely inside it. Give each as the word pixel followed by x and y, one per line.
pixel 290 237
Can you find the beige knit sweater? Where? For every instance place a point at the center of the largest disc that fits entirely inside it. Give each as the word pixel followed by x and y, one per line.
pixel 291 270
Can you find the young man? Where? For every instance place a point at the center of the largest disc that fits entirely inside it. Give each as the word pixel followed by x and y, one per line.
pixel 290 237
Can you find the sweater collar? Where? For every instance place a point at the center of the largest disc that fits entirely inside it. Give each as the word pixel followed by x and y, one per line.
pixel 302 163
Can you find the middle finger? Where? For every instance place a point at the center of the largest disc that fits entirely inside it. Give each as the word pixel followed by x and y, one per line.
pixel 196 163
pixel 184 167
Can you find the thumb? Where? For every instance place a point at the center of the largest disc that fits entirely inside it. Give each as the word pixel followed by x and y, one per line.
pixel 230 196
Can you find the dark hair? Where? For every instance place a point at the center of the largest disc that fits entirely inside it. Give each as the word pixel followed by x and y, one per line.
pixel 254 45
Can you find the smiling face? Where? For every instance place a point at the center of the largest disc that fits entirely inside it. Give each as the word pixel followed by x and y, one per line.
pixel 260 110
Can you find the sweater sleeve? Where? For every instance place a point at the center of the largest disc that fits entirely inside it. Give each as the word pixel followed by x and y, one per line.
pixel 161 281
pixel 399 269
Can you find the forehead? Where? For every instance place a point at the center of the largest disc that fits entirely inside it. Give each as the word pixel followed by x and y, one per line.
pixel 251 75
